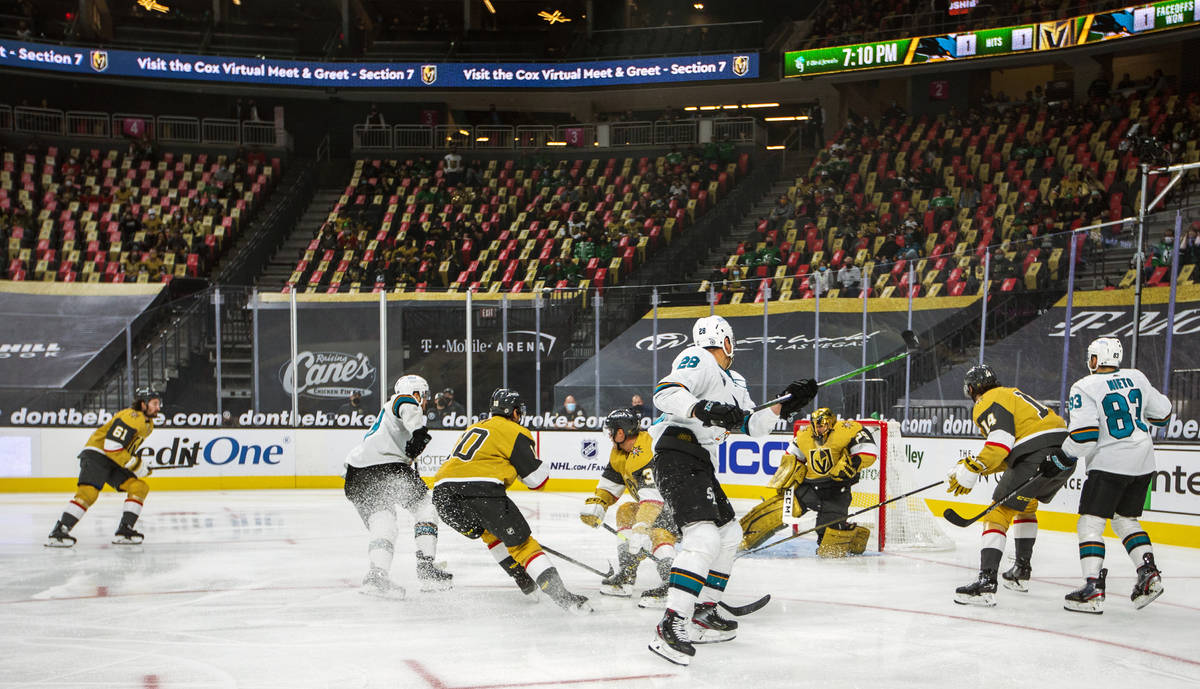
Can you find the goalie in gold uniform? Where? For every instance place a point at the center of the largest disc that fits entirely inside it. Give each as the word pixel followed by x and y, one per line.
pixel 111 457
pixel 643 524
pixel 1023 439
pixel 821 465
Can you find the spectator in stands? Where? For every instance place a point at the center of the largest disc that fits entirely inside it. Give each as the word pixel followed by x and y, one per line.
pixel 816 125
pixel 779 213
pixel 571 409
pixel 353 404
pixel 638 407
pixel 769 255
pixel 437 411
pixel 1160 253
pixel 252 111
pixel 451 404
pixel 1189 247
pixel 819 281
pixel 375 118
pixel 152 265
pixel 969 197
pixel 452 167
pixel 849 278
pixel 1002 268
pixel 943 208
pixel 24 33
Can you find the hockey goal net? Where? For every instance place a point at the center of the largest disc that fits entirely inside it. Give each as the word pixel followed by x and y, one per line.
pixel 906 524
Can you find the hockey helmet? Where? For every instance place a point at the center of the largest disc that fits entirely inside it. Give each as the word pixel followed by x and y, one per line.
pixel 505 401
pixel 624 419
pixel 1108 352
pixel 979 379
pixel 713 331
pixel 413 385
pixel 822 421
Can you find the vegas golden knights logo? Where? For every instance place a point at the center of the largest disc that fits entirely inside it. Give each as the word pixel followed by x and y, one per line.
pixel 99 60
pixel 821 460
pixel 741 65
pixel 428 73
pixel 1056 34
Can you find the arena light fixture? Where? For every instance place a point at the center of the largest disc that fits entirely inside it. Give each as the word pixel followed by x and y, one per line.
pixel 556 143
pixel 777 147
pixel 761 105
pixel 481 139
pixel 698 6
pixel 490 7
pixel 464 132
pixel 739 106
pixel 554 17
pixel 152 6
pixel 786 118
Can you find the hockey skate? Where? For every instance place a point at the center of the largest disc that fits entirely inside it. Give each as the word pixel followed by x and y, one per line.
pixel 671 639
pixel 620 584
pixel 1016 577
pixel 1149 583
pixel 981 593
pixel 432 577
pixel 1088 598
pixel 127 535
pixel 60 537
pixel 378 584
pixel 708 627
pixel 654 598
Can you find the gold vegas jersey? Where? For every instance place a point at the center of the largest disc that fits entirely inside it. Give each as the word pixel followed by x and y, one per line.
pixel 496 450
pixel 121 436
pixel 631 471
pixel 849 443
pixel 1013 425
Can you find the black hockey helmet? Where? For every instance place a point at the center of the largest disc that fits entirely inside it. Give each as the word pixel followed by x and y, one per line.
pixel 505 401
pixel 979 380
pixel 145 394
pixel 624 419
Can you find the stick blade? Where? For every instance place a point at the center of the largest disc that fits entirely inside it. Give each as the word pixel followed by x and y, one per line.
pixel 910 339
pixel 956 519
pixel 753 606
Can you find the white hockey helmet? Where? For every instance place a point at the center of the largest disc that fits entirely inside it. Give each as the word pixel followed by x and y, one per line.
pixel 713 331
pixel 412 385
pixel 1108 352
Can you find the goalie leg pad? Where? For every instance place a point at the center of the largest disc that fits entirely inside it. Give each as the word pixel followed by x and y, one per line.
pixel 836 542
pixel 858 541
pixel 759 523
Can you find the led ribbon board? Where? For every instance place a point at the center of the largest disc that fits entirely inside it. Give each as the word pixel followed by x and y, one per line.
pixel 459 75
pixel 1009 40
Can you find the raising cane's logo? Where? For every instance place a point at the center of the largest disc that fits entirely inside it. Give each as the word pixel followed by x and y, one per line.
pixel 329 375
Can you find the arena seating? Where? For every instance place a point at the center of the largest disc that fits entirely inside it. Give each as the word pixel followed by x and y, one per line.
pixel 884 196
pixel 506 226
pixel 112 216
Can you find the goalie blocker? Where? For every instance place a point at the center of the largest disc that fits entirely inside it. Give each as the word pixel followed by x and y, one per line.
pixel 906 524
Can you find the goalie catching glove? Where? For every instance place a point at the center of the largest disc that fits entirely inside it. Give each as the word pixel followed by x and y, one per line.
pixel 594 508
pixel 727 416
pixel 802 392
pixel 964 476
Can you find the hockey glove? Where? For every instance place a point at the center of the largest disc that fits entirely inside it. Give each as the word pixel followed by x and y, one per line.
pixel 593 511
pixel 416 444
pixel 962 479
pixel 1056 464
pixel 727 416
pixel 847 468
pixel 802 392
pixel 639 538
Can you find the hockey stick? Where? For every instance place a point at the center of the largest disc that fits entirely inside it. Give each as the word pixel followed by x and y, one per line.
pixel 958 520
pixel 910 343
pixel 737 610
pixel 171 466
pixel 573 561
pixel 839 521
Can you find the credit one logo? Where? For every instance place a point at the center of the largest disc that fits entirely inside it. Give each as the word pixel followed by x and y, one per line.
pixel 750 456
pixel 222 450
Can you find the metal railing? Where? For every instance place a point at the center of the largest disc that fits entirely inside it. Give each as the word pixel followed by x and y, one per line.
pixel 676 132
pixel 370 137
pixel 737 129
pixel 631 133
pixel 492 136
pixel 409 136
pixel 534 136
pixel 452 136
pixel 100 125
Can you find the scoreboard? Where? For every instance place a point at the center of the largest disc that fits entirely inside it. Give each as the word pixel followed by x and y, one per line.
pixel 1009 40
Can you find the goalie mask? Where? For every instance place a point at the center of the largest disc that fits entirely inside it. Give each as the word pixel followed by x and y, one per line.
pixel 714 331
pixel 1108 352
pixel 413 385
pixel 822 422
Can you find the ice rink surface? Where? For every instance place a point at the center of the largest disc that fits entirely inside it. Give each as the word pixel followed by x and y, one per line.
pixel 259 589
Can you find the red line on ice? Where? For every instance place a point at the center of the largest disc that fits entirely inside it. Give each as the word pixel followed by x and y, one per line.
pixel 436 683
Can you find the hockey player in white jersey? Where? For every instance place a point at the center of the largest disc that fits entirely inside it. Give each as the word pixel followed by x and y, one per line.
pixel 1111 413
pixel 380 475
pixel 703 401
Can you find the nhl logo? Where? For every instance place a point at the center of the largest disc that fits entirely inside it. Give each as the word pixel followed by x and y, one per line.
pixel 588 449
pixel 741 65
pixel 99 60
pixel 428 73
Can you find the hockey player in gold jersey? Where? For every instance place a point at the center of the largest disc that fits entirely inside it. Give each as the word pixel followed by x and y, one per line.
pixel 1022 438
pixel 643 524
pixel 110 456
pixel 816 474
pixel 470 494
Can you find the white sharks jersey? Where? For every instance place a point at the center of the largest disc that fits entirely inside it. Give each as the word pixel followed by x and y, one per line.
pixel 1112 416
pixel 393 428
pixel 695 375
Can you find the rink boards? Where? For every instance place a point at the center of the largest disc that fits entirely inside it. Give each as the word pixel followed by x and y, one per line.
pixel 44 460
